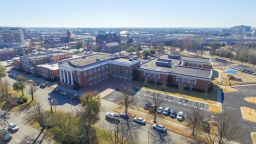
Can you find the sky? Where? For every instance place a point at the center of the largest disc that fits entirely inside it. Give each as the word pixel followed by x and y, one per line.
pixel 127 13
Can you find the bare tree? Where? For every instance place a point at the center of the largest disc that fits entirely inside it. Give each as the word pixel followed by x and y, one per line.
pixel 121 133
pixel 32 89
pixel 36 113
pixel 195 118
pixel 5 88
pixel 127 99
pixel 228 130
pixel 156 100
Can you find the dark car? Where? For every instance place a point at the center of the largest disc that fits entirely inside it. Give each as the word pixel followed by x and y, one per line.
pixel 147 106
pixel 173 114
pixel 124 115
pixel 42 85
pixel 166 111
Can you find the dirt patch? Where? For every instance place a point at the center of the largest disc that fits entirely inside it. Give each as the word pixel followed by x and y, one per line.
pixel 253 137
pixel 228 89
pixel 248 114
pixel 251 99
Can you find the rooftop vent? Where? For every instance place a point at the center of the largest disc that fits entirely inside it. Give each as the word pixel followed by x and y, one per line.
pixel 164 60
pixel 163 64
pixel 174 56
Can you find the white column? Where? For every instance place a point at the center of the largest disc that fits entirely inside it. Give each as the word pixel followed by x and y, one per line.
pixel 68 76
pixel 72 82
pixel 61 76
pixel 64 73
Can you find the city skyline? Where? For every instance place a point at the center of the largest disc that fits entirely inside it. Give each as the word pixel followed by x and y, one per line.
pixel 113 13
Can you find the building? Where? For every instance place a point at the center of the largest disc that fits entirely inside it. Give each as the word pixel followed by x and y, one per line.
pixel 241 29
pixel 111 47
pixel 28 62
pixel 103 38
pixel 48 71
pixel 184 72
pixel 11 37
pixel 93 69
pixel 7 53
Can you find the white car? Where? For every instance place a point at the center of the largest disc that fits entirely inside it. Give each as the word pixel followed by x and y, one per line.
pixel 159 127
pixel 160 110
pixel 13 127
pixel 180 116
pixel 139 120
pixel 112 116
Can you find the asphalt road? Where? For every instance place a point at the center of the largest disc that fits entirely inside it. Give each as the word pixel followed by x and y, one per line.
pixel 232 103
pixel 145 133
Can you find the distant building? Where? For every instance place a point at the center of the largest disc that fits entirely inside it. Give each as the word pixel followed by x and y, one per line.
pixel 101 39
pixel 28 63
pixel 11 37
pixel 111 47
pixel 241 29
pixel 51 41
pixel 9 53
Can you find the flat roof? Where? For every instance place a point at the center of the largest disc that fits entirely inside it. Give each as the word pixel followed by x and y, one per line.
pixel 175 62
pixel 192 72
pixel 151 65
pixel 51 66
pixel 196 59
pixel 123 60
pixel 87 60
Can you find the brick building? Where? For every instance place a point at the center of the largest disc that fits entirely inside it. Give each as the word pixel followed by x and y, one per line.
pixel 29 62
pixel 48 71
pixel 93 69
pixel 186 72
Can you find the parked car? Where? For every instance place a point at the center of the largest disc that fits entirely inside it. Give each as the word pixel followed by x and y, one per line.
pixel 112 116
pixel 146 106
pixel 124 115
pixel 166 111
pixel 160 110
pixel 159 127
pixel 42 85
pixel 13 127
pixel 173 114
pixel 65 93
pixel 7 136
pixel 139 120
pixel 180 116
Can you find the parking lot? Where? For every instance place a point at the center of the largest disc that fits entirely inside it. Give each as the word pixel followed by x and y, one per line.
pixel 174 100
pixel 141 97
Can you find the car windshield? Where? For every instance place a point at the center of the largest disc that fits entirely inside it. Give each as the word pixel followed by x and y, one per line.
pixel 141 119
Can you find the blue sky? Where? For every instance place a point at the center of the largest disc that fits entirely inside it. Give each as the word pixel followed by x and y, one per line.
pixel 127 13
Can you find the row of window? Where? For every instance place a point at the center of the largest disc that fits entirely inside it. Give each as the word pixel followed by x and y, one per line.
pixel 193 65
pixel 151 75
pixel 187 81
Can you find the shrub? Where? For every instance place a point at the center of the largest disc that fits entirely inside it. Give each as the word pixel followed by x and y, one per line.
pixel 22 100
